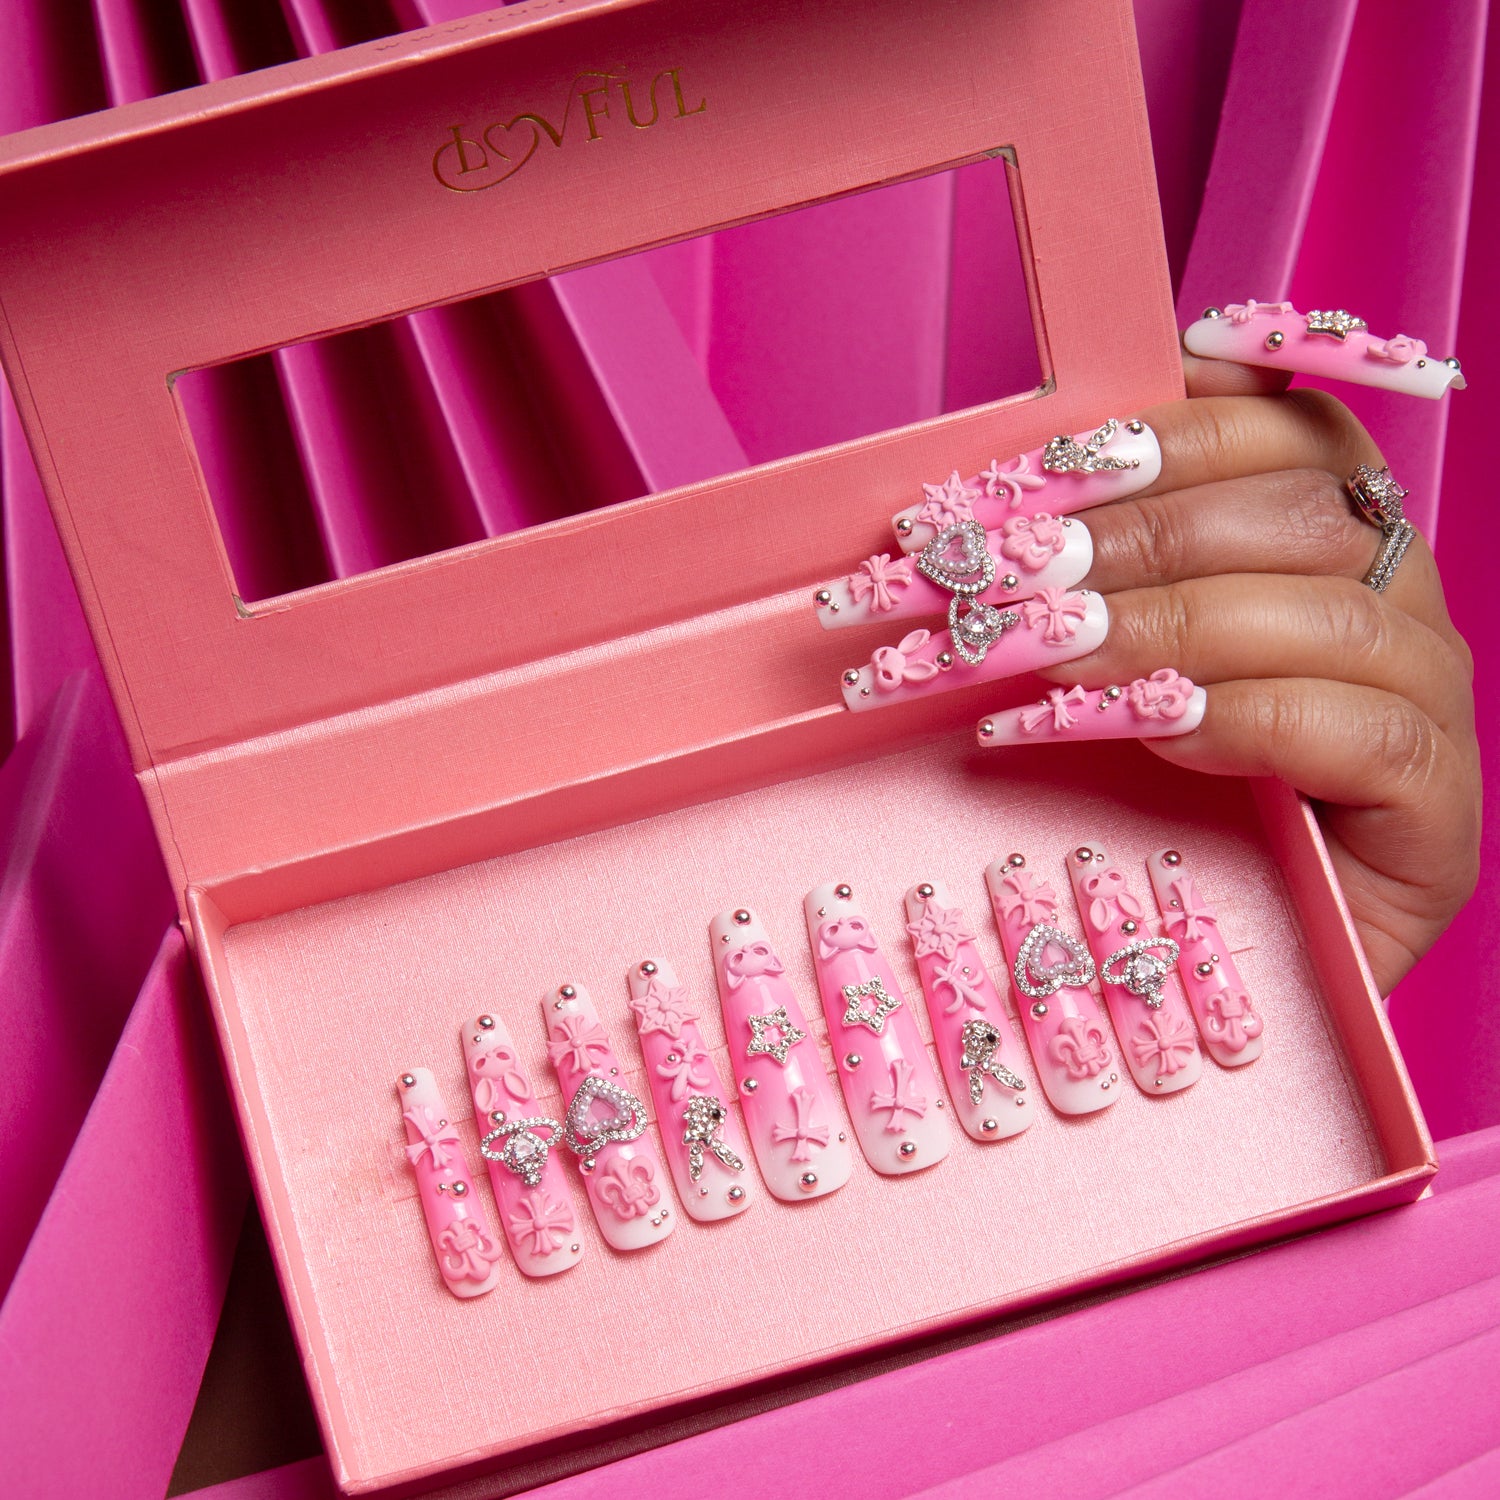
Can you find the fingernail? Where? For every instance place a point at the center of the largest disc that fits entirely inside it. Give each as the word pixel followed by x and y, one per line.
pixel 1225 1013
pixel 1070 1044
pixel 795 1126
pixel 979 1055
pixel 890 1088
pixel 1065 475
pixel 1150 708
pixel 1029 554
pixel 605 1125
pixel 1055 626
pixel 700 1135
pixel 468 1255
pixel 519 1142
pixel 1137 971
pixel 1329 342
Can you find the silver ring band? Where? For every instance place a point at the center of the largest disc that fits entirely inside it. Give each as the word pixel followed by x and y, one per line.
pixel 1398 537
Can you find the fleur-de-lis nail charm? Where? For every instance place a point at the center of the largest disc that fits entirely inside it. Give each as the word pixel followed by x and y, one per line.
pixel 467 1252
pixel 520 1145
pixel 1070 1043
pixel 891 1090
pixel 1227 1017
pixel 604 1125
pixel 971 1030
pixel 792 1116
pixel 700 1134
pixel 1137 970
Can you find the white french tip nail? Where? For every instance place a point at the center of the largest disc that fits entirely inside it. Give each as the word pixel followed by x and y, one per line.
pixel 1157 707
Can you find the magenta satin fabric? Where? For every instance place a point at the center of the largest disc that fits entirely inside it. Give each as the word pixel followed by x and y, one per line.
pixel 1365 1356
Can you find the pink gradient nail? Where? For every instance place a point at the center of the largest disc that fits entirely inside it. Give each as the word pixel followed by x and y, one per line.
pixel 890 1087
pixel 1031 553
pixel 1054 626
pixel 794 1122
pixel 971 1030
pixel 1330 342
pixel 1070 1042
pixel 1160 706
pixel 700 1132
pixel 1064 476
pixel 605 1125
pixel 1150 1013
pixel 467 1252
pixel 1226 1015
pixel 522 1148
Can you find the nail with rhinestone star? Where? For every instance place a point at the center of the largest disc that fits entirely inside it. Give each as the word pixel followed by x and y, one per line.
pixel 894 1092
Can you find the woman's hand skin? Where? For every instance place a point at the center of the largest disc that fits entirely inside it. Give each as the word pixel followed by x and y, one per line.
pixel 1241 567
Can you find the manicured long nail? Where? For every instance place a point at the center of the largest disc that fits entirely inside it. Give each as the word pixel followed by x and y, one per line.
pixel 1137 969
pixel 468 1254
pixel 990 644
pixel 699 1131
pixel 605 1125
pixel 979 1054
pixel 889 1085
pixel 1329 342
pixel 1025 555
pixel 1225 1013
pixel 1150 708
pixel 791 1115
pixel 520 1143
pixel 1070 1043
pixel 1066 475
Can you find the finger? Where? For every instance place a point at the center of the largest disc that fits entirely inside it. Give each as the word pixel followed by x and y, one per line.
pixel 1402 801
pixel 1220 377
pixel 1277 625
pixel 1229 437
pixel 1298 521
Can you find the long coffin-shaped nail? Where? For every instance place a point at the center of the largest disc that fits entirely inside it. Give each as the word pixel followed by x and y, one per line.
pixel 520 1143
pixel 605 1125
pixel 1137 971
pixel 1150 708
pixel 980 1057
pixel 699 1131
pixel 1053 627
pixel 1026 555
pixel 1328 342
pixel 1066 475
pixel 1070 1043
pixel 1226 1014
pixel 795 1126
pixel 468 1254
pixel 890 1087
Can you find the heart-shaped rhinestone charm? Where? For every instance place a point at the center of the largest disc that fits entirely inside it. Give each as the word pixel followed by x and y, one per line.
pixel 584 1134
pixel 975 627
pixel 1038 978
pixel 1139 969
pixel 524 1151
pixel 958 559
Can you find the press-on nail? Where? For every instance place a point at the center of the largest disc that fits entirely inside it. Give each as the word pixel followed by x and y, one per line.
pixel 1155 707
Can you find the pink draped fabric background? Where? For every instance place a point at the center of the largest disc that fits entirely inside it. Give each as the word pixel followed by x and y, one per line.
pixel 1332 152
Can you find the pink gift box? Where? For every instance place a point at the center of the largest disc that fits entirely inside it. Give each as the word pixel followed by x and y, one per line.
pixel 385 805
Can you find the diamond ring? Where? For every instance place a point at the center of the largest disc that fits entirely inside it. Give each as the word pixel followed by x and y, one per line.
pixel 1378 498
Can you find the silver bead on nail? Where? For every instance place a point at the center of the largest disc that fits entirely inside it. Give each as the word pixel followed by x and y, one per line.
pixel 1275 339
pixel 924 891
pixel 1171 857
pixel 408 1081
pixel 989 1125
pixel 1203 970
pixel 568 992
pixel 487 1023
pixel 908 1148
pixel 851 677
pixel 1213 312
pixel 1015 861
pixel 742 916
pixel 1129 928
pixel 749 1085
pixel 843 892
pixel 852 1060
pixel 945 659
pixel 903 526
pixel 807 1181
pixel 648 968
pixel 736 1195
pixel 822 597
pixel 986 729
pixel 1039 1009
pixel 1010 583
pixel 1137 426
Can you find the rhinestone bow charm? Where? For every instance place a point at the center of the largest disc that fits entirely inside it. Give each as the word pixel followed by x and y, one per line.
pixel 1141 970
pixel 585 1135
pixel 980 1039
pixel 524 1151
pixel 958 559
pixel 1039 979
pixel 1066 455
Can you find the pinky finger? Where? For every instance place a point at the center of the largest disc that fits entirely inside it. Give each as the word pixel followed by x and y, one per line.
pixel 1399 799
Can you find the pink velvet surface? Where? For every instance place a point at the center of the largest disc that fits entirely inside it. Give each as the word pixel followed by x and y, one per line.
pixel 396 968
pixel 1451 1039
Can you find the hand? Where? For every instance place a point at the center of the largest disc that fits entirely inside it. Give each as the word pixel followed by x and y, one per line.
pixel 1241 567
